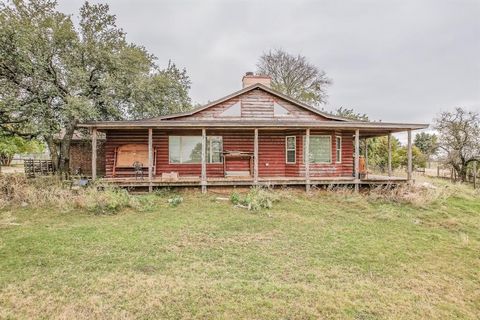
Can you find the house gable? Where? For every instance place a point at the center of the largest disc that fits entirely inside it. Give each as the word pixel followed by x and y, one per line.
pixel 255 104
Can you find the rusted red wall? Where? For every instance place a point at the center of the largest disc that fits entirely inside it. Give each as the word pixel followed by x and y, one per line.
pixel 271 152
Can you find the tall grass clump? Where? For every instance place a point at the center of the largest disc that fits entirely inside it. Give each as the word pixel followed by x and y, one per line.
pixel 419 195
pixel 17 191
pixel 256 199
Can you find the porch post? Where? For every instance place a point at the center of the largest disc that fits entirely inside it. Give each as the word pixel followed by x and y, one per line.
pixel 204 164
pixel 366 155
pixel 94 153
pixel 357 159
pixel 255 157
pixel 389 154
pixel 307 159
pixel 150 159
pixel 409 156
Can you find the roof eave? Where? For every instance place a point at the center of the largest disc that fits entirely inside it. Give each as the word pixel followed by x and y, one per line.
pixel 254 124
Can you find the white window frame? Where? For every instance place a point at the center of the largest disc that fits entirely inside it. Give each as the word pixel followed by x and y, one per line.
pixel 338 147
pixel 209 145
pixel 331 148
pixel 210 148
pixel 294 149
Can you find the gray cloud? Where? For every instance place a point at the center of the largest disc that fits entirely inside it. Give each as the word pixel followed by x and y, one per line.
pixel 394 60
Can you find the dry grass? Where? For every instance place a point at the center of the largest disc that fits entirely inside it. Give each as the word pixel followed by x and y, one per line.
pixel 49 192
pixel 325 255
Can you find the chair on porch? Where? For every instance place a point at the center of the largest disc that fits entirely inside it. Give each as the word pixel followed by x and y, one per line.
pixel 138 169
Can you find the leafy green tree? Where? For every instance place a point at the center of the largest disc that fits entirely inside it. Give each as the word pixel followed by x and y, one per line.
pixel 294 76
pixel 419 160
pixel 54 75
pixel 12 145
pixel 427 143
pixel 168 89
pixel 349 113
pixel 378 153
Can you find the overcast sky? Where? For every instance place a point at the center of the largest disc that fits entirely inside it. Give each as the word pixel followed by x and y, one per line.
pixel 393 60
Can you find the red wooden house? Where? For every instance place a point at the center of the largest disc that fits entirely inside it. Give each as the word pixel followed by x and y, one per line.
pixel 255 136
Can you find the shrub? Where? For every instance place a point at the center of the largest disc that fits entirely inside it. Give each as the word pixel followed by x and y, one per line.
pixel 108 201
pixel 256 199
pixel 235 198
pixel 175 200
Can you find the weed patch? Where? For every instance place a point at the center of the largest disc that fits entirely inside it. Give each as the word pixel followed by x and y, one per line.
pixel 256 199
pixel 49 192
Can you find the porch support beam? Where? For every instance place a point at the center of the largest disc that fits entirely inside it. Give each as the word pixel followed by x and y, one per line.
pixel 255 157
pixel 409 156
pixel 389 164
pixel 307 160
pixel 150 159
pixel 94 153
pixel 204 162
pixel 366 156
pixel 357 159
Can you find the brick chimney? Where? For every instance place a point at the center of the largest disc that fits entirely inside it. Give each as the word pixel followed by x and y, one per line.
pixel 250 79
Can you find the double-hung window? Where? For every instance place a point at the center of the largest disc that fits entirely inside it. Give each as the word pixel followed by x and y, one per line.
pixel 214 149
pixel 320 149
pixel 290 149
pixel 188 149
pixel 338 149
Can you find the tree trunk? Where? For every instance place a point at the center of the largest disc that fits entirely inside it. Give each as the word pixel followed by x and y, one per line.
pixel 60 154
pixel 64 156
pixel 460 172
pixel 52 148
pixel 6 160
pixel 463 174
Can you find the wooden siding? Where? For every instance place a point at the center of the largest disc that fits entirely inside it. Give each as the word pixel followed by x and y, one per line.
pixel 255 105
pixel 271 153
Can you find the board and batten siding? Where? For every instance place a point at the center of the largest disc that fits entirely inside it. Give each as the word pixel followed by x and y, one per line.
pixel 272 162
pixel 255 105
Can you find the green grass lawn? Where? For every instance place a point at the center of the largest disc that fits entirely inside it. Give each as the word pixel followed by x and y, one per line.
pixel 327 255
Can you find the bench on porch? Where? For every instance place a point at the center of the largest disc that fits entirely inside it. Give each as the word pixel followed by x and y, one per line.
pixel 127 155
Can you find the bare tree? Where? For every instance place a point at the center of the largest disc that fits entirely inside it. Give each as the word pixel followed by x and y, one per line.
pixel 459 138
pixel 294 76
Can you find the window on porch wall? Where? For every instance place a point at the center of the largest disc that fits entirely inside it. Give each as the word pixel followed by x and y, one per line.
pixel 188 149
pixel 291 149
pixel 338 149
pixel 320 149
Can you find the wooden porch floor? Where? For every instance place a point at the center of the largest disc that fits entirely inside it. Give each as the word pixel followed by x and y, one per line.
pixel 246 181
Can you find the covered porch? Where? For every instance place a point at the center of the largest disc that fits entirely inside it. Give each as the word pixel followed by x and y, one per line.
pixel 265 147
